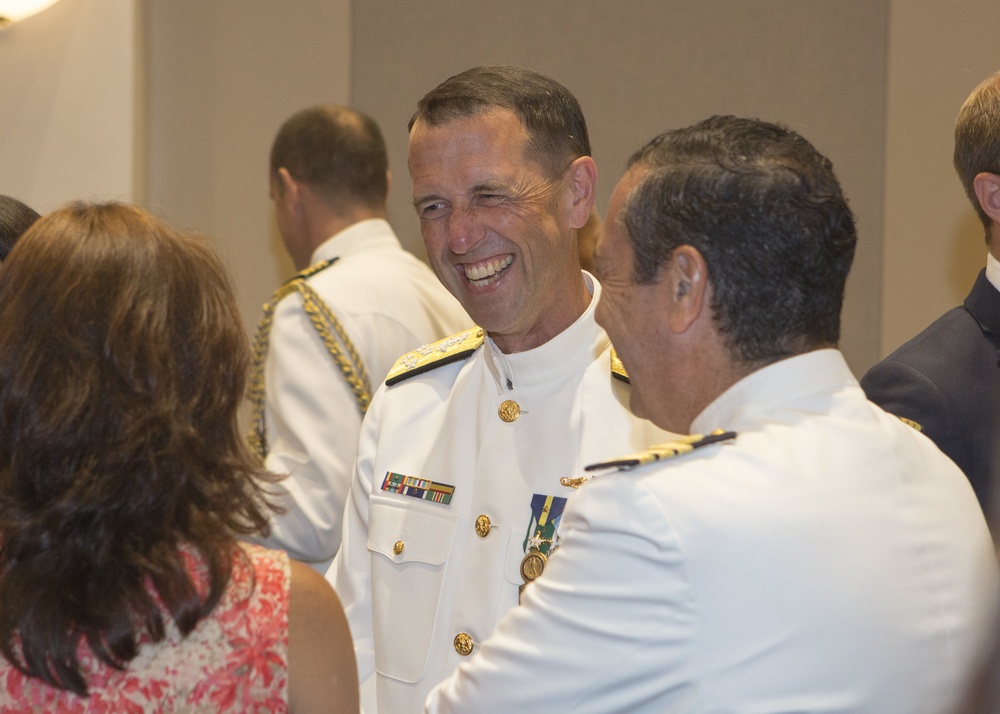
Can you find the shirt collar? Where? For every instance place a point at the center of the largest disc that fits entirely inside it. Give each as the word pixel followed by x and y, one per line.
pixel 746 403
pixel 363 235
pixel 993 270
pixel 573 349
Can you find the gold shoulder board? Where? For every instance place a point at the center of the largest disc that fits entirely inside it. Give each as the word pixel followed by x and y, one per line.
pixel 436 354
pixel 663 451
pixel 617 368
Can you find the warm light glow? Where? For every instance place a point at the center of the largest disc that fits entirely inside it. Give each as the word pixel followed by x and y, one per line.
pixel 12 11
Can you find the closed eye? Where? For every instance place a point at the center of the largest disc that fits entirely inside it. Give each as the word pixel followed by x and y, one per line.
pixel 490 199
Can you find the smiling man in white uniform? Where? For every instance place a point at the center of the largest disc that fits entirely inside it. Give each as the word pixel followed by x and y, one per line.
pixel 457 500
pixel 818 555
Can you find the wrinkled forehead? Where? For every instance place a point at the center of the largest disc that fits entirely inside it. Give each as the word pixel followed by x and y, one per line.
pixel 496 135
pixel 484 118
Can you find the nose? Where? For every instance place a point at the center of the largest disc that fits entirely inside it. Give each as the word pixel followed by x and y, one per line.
pixel 465 230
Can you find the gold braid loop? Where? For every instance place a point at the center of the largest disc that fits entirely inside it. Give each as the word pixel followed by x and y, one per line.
pixel 350 365
pixel 322 319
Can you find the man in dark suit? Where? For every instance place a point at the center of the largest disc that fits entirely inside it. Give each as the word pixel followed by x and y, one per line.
pixel 947 378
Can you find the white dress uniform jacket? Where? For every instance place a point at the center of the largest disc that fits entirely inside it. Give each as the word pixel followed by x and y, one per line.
pixel 423 579
pixel 389 303
pixel 829 559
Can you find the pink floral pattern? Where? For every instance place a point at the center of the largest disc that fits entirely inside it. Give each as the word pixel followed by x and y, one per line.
pixel 235 660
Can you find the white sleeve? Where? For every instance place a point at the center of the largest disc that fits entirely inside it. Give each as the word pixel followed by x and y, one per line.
pixel 606 628
pixel 312 425
pixel 350 573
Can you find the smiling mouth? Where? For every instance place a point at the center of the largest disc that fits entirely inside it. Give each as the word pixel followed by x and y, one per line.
pixel 488 271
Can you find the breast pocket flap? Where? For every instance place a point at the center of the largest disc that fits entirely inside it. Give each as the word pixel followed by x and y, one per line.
pixel 409 535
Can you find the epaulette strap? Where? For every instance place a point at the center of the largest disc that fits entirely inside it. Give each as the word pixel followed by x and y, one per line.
pixel 663 451
pixel 617 368
pixel 654 453
pixel 436 354
pixel 338 344
pixel 309 272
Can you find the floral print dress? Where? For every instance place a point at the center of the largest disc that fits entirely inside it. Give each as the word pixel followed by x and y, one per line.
pixel 235 660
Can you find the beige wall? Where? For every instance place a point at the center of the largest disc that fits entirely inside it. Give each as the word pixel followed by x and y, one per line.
pixel 642 66
pixel 70 114
pixel 933 244
pixel 223 75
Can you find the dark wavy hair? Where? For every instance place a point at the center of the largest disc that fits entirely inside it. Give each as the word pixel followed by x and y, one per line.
pixel 766 211
pixel 337 151
pixel 122 365
pixel 550 112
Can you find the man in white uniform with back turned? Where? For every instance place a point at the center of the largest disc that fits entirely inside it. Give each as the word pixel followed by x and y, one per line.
pixel 331 334
pixel 457 500
pixel 825 557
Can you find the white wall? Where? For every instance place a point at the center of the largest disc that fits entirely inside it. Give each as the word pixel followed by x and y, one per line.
pixel 70 85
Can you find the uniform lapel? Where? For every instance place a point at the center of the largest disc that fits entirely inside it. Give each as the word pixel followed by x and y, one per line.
pixel 983 303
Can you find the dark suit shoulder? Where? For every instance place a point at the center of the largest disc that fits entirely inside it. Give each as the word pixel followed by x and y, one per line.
pixel 940 337
pixel 947 379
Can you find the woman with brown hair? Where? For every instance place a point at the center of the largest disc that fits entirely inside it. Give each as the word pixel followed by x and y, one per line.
pixel 124 485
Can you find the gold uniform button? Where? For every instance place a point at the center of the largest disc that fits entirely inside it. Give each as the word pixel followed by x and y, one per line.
pixel 463 644
pixel 509 411
pixel 398 548
pixel 483 526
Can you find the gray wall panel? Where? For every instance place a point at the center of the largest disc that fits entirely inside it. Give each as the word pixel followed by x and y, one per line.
pixel 642 66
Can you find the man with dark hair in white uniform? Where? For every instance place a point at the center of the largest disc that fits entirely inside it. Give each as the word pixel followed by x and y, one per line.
pixel 809 552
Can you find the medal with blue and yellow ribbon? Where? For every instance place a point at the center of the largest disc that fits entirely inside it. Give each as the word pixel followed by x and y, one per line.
pixel 542 535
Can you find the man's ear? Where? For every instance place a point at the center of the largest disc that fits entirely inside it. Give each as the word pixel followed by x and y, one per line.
pixel 987 188
pixel 388 183
pixel 290 192
pixel 582 175
pixel 685 285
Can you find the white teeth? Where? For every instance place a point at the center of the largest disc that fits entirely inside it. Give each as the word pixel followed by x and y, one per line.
pixel 488 268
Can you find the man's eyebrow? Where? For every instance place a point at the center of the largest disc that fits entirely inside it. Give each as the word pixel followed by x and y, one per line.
pixel 490 185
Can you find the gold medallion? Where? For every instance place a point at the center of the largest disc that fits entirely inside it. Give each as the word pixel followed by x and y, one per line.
pixel 398 547
pixel 532 564
pixel 509 411
pixel 483 526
